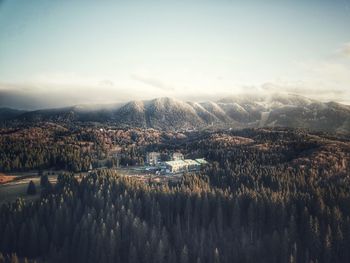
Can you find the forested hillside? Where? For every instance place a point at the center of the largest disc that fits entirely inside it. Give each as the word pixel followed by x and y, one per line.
pixel 104 218
pixel 278 110
pixel 266 196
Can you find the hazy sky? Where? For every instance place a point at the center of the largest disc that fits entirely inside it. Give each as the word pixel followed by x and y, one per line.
pixel 55 53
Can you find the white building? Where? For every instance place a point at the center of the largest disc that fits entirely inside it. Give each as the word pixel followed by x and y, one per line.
pixel 177 156
pixel 175 166
pixel 153 158
pixel 180 166
pixel 201 161
pixel 192 165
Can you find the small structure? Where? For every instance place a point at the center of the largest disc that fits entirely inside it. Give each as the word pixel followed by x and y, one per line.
pixel 192 165
pixel 187 165
pixel 153 158
pixel 201 161
pixel 177 156
pixel 175 166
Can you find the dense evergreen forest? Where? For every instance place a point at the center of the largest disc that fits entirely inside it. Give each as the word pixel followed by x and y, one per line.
pixel 267 196
pixel 50 146
pixel 105 218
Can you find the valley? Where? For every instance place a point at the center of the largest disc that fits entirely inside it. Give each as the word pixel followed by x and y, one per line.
pixel 237 192
pixel 170 131
pixel 262 188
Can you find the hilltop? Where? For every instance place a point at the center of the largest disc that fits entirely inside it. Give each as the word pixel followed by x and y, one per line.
pixel 291 111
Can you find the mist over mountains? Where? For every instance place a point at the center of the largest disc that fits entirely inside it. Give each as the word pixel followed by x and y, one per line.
pixel 171 114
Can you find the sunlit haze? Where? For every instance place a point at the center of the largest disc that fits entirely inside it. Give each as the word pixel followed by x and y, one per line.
pixel 57 53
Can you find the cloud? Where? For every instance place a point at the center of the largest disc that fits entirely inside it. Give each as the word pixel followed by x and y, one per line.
pixel 344 50
pixel 106 83
pixel 325 79
pixel 311 89
pixel 308 89
pixel 35 96
pixel 60 89
pixel 151 81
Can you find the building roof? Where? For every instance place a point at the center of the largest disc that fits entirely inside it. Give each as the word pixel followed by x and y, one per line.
pixel 190 162
pixel 186 162
pixel 176 163
pixel 201 161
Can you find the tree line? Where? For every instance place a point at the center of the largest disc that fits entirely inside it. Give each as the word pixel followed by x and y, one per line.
pixel 107 218
pixel 264 200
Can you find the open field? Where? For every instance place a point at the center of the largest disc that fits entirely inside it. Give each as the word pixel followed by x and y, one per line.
pixel 17 188
pixel 10 192
pixel 17 183
pixel 17 176
pixel 4 178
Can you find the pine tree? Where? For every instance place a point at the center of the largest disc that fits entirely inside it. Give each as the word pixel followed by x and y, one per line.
pixel 216 256
pixel 327 246
pixel 43 241
pixel 184 255
pixel 23 240
pixel 236 218
pixel 160 253
pixel 31 190
pixel 14 258
pixel 44 180
pixel 133 257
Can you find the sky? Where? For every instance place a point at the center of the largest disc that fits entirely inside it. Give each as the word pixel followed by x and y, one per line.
pixel 58 53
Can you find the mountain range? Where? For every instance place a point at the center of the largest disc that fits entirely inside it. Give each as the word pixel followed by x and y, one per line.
pixel 235 112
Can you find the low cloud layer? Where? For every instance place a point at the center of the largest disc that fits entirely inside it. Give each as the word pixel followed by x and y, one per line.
pixel 325 79
pixel 33 97
pixel 345 50
pixel 154 82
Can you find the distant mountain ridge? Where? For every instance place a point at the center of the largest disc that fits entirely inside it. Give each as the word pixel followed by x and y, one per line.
pixel 237 112
pixel 8 113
